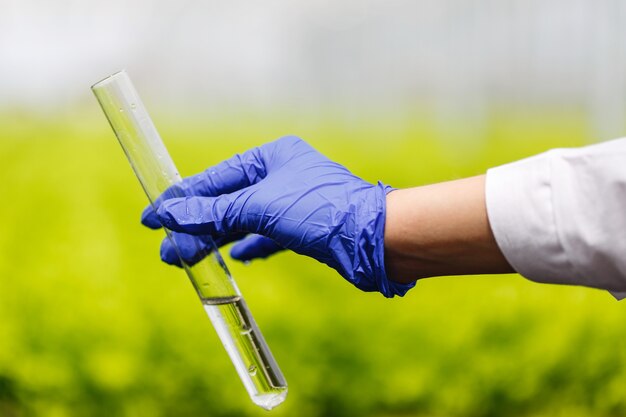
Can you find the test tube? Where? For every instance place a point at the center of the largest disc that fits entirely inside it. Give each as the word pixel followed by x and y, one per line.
pixel 216 288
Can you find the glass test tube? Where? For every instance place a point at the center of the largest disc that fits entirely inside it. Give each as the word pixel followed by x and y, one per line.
pixel 217 290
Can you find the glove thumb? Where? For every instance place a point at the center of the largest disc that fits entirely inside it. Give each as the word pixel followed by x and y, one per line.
pixel 201 215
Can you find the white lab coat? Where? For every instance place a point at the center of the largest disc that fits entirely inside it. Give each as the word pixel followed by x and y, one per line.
pixel 560 217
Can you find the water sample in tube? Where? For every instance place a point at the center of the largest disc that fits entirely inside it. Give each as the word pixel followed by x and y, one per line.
pixel 217 290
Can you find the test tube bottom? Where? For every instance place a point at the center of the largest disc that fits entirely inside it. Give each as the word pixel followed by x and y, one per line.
pixel 248 351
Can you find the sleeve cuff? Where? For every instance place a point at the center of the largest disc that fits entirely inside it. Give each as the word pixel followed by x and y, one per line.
pixel 521 215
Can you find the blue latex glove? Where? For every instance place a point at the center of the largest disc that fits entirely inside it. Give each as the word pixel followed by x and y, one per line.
pixel 284 194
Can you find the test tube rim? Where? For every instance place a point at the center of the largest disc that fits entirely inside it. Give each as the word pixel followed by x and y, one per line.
pixel 109 78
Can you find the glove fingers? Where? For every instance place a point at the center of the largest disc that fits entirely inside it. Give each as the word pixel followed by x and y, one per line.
pixel 254 246
pixel 192 249
pixel 215 216
pixel 150 219
pixel 168 253
pixel 236 173
pixel 240 171
pixel 243 170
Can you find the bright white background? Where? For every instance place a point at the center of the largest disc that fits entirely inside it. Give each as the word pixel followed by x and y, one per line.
pixel 458 58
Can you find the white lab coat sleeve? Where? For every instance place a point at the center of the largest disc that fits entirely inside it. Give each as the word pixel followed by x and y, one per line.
pixel 560 217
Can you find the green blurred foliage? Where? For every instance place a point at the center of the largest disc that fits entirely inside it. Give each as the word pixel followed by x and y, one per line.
pixel 92 323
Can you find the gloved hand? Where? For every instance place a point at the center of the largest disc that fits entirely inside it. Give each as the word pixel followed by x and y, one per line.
pixel 286 195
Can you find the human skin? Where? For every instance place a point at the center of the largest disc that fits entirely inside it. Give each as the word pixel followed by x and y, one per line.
pixel 440 229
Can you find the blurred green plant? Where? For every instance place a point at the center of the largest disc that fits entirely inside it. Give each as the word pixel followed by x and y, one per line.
pixel 92 323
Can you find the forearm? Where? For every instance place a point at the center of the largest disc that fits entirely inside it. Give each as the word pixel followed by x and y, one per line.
pixel 440 229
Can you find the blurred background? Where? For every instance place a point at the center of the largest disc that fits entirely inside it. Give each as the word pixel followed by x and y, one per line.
pixel 408 92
